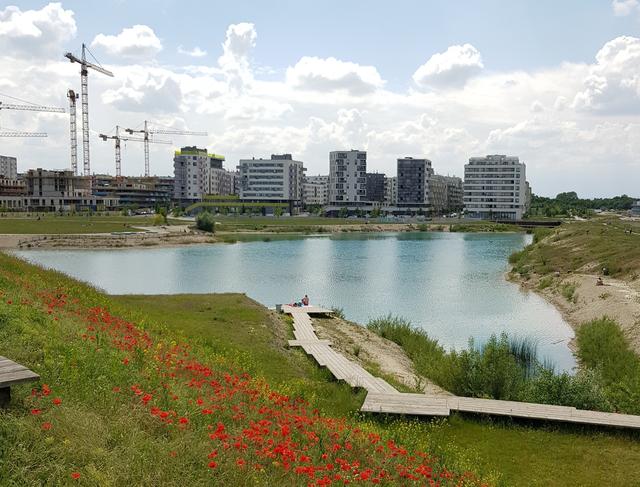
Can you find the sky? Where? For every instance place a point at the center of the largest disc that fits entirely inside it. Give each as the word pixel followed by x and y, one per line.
pixel 555 83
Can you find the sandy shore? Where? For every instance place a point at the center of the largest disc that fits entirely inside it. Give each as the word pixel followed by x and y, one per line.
pixel 617 299
pixel 168 236
pixel 367 348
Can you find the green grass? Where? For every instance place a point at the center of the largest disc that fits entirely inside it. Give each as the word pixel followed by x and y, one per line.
pixel 591 246
pixel 483 226
pixel 51 224
pixel 112 442
pixel 568 291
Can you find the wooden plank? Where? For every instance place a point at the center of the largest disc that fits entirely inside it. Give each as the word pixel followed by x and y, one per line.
pixel 298 343
pixel 400 404
pixel 13 378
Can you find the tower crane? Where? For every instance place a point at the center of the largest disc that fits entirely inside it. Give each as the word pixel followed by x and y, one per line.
pixel 73 96
pixel 84 92
pixel 31 108
pixel 117 137
pixel 152 131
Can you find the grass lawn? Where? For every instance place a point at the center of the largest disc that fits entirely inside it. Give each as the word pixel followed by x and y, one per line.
pixel 50 224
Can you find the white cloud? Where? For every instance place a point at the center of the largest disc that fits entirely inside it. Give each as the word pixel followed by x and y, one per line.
pixel 613 83
pixel 148 91
pixel 35 32
pixel 195 52
pixel 239 41
pixel 330 74
pixel 449 69
pixel 137 42
pixel 622 8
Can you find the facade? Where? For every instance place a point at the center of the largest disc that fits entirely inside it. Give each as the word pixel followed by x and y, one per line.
pixel 8 167
pixel 48 190
pixel 495 188
pixel 316 190
pixel 347 178
pixel 192 169
pixel 390 191
pixel 279 179
pixel 375 187
pixel 635 209
pixel 12 187
pixel 222 182
pixel 413 183
pixel 446 193
pixel 139 192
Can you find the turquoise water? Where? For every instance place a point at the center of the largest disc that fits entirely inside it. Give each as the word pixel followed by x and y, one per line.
pixel 450 284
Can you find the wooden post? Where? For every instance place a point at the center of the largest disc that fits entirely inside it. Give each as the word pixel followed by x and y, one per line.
pixel 5 396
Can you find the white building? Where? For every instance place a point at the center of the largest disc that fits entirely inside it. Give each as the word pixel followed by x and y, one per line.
pixel 192 168
pixel 446 193
pixel 279 179
pixel 316 190
pixel 390 191
pixel 8 167
pixel 495 188
pixel 347 178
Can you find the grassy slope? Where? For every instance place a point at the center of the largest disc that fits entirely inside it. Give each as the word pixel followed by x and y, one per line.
pixel 598 243
pixel 50 224
pixel 110 442
pixel 525 455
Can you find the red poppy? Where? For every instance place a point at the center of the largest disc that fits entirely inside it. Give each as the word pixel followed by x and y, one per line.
pixel 57 401
pixel 75 475
pixel 46 426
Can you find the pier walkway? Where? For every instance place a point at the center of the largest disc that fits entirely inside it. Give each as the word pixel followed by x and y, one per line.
pixel 383 398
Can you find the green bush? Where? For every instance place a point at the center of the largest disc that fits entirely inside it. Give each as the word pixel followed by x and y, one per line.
pixel 568 290
pixel 205 222
pixel 545 282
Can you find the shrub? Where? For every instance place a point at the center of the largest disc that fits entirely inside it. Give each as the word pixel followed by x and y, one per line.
pixel 545 282
pixel 205 222
pixel 568 290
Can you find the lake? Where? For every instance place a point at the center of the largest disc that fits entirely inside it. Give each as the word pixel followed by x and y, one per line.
pixel 450 284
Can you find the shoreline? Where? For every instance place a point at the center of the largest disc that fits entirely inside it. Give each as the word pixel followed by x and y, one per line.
pixel 615 299
pixel 181 235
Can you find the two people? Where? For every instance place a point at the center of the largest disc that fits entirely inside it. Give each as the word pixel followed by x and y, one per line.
pixel 303 302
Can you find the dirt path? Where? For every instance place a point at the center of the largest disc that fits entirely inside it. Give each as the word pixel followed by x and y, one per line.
pixel 366 348
pixel 617 299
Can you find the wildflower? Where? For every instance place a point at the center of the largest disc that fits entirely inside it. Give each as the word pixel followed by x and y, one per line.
pixel 35 412
pixel 213 464
pixel 75 475
pixel 57 401
pixel 183 420
pixel 46 426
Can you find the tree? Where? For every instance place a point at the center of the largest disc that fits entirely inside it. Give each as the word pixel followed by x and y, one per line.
pixel 343 212
pixel 205 222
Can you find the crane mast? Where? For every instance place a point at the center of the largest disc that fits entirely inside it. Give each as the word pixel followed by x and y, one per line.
pixel 118 152
pixel 146 131
pixel 84 100
pixel 73 130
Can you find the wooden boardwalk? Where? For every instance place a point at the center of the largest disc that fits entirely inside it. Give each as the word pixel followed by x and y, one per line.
pixel 340 366
pixel 383 398
pixel 12 373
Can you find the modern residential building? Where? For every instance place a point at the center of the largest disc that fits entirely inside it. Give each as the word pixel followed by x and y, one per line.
pixel 49 190
pixel 348 178
pixel 390 191
pixel 495 188
pixel 446 194
pixel 316 190
pixel 279 179
pixel 635 209
pixel 192 168
pixel 413 184
pixel 138 192
pixel 8 167
pixel 375 187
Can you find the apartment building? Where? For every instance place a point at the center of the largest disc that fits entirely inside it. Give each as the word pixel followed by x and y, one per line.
pixel 446 194
pixel 347 178
pixel 316 190
pixel 49 190
pixel 279 179
pixel 140 192
pixel 390 191
pixel 413 184
pixel 375 187
pixel 495 188
pixel 8 167
pixel 192 168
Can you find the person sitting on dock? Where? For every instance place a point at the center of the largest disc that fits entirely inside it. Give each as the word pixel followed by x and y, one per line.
pixel 305 300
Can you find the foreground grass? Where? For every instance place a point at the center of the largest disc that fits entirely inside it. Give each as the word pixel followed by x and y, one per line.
pixel 589 246
pixel 59 225
pixel 111 439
